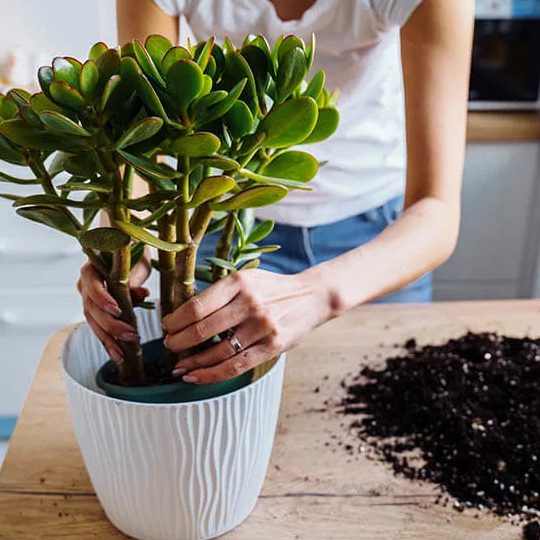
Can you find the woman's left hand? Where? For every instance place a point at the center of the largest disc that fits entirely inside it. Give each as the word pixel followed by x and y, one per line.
pixel 267 314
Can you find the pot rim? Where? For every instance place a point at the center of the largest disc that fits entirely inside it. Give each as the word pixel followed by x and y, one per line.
pixel 66 375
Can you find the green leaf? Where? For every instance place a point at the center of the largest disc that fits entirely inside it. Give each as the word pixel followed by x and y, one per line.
pixel 239 120
pixel 148 167
pixel 152 200
pixel 64 70
pixel 144 236
pixel 174 55
pixel 262 230
pixel 316 85
pixel 66 96
pixel 211 188
pixel 260 249
pixel 270 180
pixel 28 137
pixel 288 44
pixel 157 46
pixel 291 72
pixel 10 153
pixel 8 107
pixel 8 196
pixel 253 197
pixel 210 99
pixel 20 181
pixel 40 102
pixel 19 96
pixel 326 125
pixel 204 273
pixel 76 185
pixel 97 50
pixel 185 82
pixel 56 218
pixel 137 252
pixel 109 64
pixel 260 65
pixel 310 51
pixel 30 117
pixel 218 161
pixel 221 108
pixel 222 263
pixel 146 62
pixel 204 54
pixel 236 68
pixel 104 239
pixel 45 78
pixel 139 131
pixel 293 165
pixel 290 122
pixel 254 263
pixel 196 145
pixel 111 85
pixel 89 79
pixel 89 214
pixel 216 225
pixel 149 97
pixel 51 200
pixel 62 124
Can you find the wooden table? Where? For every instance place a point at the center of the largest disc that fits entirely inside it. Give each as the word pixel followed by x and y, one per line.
pixel 313 490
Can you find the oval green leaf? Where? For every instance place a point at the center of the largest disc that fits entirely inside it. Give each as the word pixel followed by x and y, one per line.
pixel 291 72
pixel 97 50
pixel 185 81
pixel 262 230
pixel 172 56
pixel 104 239
pixel 157 46
pixel 67 96
pixel 326 125
pixel 62 124
pixel 196 145
pixel 66 71
pixel 253 197
pixel 211 188
pixel 144 236
pixel 139 131
pixel 57 218
pixel 293 165
pixel 290 122
pixel 239 120
pixel 146 62
pixel 89 79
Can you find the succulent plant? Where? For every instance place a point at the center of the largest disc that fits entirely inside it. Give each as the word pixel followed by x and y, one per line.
pixel 226 117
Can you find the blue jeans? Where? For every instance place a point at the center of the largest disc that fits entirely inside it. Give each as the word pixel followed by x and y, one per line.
pixel 303 247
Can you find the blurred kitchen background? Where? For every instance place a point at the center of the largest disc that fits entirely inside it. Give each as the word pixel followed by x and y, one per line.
pixel 498 254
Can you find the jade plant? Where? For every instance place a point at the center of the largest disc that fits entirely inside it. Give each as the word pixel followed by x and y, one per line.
pixel 209 128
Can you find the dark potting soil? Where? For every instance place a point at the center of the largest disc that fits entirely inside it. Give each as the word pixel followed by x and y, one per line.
pixel 155 374
pixel 465 415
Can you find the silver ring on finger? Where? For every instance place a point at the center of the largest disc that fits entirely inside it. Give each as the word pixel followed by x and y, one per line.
pixel 235 344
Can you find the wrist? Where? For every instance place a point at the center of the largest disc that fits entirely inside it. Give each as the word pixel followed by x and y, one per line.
pixel 330 302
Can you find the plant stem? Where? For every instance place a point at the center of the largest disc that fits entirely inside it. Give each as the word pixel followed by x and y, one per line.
pixel 184 279
pixel 166 267
pixel 223 247
pixel 131 370
pixel 38 168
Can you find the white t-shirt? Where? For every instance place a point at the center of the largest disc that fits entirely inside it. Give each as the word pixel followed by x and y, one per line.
pixel 358 47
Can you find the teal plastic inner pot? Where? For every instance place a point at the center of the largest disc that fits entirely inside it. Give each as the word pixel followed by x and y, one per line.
pixel 177 392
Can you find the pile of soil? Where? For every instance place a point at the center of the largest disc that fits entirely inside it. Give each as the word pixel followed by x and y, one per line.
pixel 465 415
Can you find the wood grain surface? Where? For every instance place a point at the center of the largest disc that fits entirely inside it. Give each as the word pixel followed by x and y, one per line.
pixel 314 489
pixel 503 126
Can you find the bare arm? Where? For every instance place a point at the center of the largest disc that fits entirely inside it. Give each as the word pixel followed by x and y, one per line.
pixel 436 45
pixel 270 314
pixel 137 19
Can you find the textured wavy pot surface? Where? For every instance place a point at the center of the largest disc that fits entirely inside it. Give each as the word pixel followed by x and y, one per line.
pixel 183 471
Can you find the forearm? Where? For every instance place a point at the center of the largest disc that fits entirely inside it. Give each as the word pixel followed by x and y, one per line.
pixel 419 241
pixel 137 19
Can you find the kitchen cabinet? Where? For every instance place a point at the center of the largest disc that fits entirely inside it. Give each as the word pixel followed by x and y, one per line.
pixel 498 242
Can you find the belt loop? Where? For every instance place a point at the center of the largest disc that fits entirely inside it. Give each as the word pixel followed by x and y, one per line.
pixel 306 240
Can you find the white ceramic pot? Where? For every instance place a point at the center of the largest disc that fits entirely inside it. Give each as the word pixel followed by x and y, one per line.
pixel 186 471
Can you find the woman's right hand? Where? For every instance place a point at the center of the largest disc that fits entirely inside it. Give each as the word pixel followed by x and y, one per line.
pixel 101 309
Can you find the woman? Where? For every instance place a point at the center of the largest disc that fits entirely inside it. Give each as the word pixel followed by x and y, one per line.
pixel 343 244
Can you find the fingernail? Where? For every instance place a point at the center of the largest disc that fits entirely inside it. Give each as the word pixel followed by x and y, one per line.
pixel 113 310
pixel 129 336
pixel 178 372
pixel 190 379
